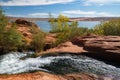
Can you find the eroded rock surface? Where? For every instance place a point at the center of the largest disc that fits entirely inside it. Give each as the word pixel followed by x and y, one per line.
pixel 105 47
pixel 66 47
pixel 27 29
pixel 32 76
pixel 24 22
pixel 49 76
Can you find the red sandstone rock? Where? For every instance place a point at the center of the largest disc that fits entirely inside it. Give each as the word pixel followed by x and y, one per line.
pixel 66 47
pixel 50 38
pixel 105 47
pixel 25 28
pixel 48 76
pixel 32 76
pixel 24 22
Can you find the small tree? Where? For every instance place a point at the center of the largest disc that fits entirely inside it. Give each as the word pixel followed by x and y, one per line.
pixel 38 41
pixel 13 38
pixel 52 22
pixel 3 23
pixel 111 27
pixel 10 38
pixel 59 24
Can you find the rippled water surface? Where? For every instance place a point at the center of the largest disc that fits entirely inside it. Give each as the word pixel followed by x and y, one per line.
pixel 13 63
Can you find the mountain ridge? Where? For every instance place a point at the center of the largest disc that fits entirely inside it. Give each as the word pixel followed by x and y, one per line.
pixel 70 19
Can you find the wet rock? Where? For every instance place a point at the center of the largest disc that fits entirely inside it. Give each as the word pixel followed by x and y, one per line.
pixel 104 47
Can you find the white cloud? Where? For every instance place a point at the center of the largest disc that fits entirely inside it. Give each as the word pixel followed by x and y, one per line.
pixel 32 15
pixel 100 2
pixel 40 15
pixel 80 13
pixel 77 12
pixel 35 15
pixel 33 2
pixel 17 15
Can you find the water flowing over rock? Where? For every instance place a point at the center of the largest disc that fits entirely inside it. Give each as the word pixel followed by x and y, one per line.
pixel 13 63
pixel 104 47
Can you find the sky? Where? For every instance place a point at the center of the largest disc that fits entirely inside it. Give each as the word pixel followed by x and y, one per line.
pixel 70 8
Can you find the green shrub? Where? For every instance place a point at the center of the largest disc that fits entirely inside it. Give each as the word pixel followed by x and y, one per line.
pixel 66 30
pixel 71 33
pixel 59 24
pixel 38 41
pixel 10 41
pixel 10 38
pixel 111 27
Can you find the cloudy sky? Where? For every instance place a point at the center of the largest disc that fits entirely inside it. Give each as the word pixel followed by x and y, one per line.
pixel 70 8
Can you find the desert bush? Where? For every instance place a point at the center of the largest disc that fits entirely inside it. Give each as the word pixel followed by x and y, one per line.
pixel 38 41
pixel 71 33
pixel 59 24
pixel 10 38
pixel 66 30
pixel 111 27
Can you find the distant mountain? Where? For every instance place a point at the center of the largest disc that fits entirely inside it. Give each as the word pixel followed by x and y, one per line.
pixel 93 18
pixel 71 19
pixel 28 19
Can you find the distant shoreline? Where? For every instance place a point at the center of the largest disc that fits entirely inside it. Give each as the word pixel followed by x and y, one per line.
pixel 71 19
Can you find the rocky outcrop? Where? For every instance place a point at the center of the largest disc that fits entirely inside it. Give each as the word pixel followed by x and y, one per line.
pixel 24 22
pixel 50 41
pixel 26 29
pixel 103 47
pixel 66 47
pixel 48 76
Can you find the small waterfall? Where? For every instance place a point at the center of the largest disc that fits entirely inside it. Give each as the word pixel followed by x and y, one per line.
pixel 13 63
pixel 16 62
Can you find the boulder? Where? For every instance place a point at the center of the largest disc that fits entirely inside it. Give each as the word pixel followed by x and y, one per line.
pixel 103 47
pixel 25 22
pixel 26 29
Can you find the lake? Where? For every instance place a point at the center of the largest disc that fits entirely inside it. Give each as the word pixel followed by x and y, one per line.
pixel 44 25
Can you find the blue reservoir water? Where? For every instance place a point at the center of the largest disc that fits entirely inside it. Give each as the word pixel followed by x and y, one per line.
pixel 44 25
